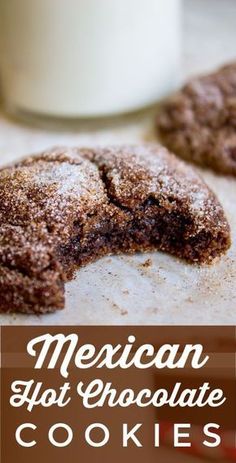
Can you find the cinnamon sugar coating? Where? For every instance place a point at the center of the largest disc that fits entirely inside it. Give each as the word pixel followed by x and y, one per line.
pixel 68 206
pixel 199 122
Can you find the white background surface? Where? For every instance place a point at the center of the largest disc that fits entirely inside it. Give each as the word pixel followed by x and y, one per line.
pixel 119 290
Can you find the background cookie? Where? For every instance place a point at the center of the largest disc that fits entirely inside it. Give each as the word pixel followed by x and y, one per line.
pixel 199 122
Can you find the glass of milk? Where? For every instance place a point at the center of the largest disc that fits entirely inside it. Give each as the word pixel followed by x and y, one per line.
pixel 87 58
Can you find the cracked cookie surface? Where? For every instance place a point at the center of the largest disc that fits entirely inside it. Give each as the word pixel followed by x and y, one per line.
pixel 199 122
pixel 68 206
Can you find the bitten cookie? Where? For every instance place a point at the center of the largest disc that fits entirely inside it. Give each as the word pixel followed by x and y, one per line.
pixel 67 207
pixel 199 122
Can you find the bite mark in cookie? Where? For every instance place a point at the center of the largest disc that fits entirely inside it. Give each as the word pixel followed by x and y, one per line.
pixel 199 122
pixel 67 207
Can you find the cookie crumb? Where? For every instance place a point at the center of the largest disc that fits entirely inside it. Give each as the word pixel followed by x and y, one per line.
pixel 125 291
pixel 146 264
pixel 124 312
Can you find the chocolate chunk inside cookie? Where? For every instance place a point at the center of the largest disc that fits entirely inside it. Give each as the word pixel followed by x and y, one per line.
pixel 199 122
pixel 67 207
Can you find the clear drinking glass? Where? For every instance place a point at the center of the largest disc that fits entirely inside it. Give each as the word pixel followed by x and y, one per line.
pixel 87 58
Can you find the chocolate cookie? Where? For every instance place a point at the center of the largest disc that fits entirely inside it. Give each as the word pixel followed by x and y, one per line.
pixel 199 122
pixel 67 207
